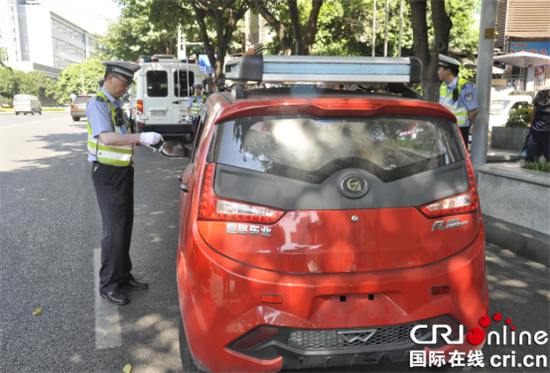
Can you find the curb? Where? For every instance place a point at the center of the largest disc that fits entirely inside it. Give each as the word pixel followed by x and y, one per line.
pixel 521 241
pixel 43 112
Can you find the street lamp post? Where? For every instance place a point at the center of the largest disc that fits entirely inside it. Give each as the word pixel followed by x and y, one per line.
pixel 82 75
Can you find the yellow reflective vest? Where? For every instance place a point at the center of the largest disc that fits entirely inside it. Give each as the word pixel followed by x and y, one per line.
pixel 460 112
pixel 196 106
pixel 121 156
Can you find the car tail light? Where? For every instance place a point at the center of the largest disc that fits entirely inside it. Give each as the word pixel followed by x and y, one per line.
pixel 139 107
pixel 214 208
pixel 72 104
pixel 460 204
pixel 258 336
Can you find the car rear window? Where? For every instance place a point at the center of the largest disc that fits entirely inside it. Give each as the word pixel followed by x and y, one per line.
pixel 82 99
pixel 311 149
pixel 497 106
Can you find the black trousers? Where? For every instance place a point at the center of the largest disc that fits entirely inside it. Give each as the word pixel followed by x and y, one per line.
pixel 465 132
pixel 114 188
pixel 537 144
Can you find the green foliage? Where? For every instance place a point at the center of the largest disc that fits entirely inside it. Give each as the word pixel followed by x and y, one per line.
pixel 543 166
pixel 520 117
pixel 147 27
pixel 345 28
pixel 70 80
pixel 13 82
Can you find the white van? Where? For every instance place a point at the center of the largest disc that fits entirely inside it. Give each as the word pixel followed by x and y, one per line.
pixel 26 104
pixel 159 102
pixel 501 108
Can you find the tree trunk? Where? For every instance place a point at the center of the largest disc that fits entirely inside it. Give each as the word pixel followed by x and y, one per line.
pixel 311 28
pixel 442 30
pixel 286 42
pixel 296 28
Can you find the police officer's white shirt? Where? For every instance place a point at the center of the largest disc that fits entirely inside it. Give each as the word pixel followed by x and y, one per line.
pixel 467 98
pixel 99 116
pixel 190 101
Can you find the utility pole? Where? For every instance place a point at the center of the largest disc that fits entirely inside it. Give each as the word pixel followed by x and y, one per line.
pixel 400 27
pixel 373 28
pixel 483 80
pixel 386 37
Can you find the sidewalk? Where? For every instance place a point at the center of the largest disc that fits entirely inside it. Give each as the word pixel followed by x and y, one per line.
pixel 515 204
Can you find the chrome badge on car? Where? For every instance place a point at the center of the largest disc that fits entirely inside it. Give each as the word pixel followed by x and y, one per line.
pixel 245 229
pixel 354 186
pixel 452 223
pixel 357 335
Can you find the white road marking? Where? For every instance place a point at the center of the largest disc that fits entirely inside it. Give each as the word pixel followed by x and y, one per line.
pixel 107 319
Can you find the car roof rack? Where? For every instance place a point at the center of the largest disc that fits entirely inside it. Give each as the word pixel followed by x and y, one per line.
pixel 324 69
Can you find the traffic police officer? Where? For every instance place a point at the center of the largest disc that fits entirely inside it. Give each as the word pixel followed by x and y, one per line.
pixel 111 152
pixel 457 94
pixel 195 102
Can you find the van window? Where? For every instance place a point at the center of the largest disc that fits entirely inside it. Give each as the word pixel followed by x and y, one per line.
pixel 21 98
pixel 310 149
pixel 183 82
pixel 157 83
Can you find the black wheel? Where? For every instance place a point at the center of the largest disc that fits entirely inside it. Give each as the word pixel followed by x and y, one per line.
pixel 76 119
pixel 25 113
pixel 32 112
pixel 40 112
pixel 187 362
pixel 16 113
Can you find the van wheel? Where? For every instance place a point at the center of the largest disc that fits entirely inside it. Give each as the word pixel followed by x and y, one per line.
pixel 186 358
pixel 16 113
pixel 75 118
pixel 25 113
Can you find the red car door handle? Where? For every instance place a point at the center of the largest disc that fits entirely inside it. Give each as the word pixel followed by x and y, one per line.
pixel 184 187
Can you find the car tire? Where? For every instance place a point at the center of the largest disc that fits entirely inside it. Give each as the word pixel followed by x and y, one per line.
pixel 40 112
pixel 25 113
pixel 76 119
pixel 16 113
pixel 32 112
pixel 186 358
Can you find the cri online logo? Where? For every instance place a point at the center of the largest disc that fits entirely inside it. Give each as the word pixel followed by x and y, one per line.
pixel 476 336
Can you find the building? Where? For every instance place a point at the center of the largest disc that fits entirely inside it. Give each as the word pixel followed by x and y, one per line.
pixel 524 26
pixel 39 39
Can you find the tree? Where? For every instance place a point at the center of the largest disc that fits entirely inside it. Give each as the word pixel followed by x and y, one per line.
pixel 70 80
pixel 224 14
pixel 303 40
pixel 45 86
pixel 147 27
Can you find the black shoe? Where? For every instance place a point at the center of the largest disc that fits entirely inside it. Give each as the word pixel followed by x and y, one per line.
pixel 115 297
pixel 133 285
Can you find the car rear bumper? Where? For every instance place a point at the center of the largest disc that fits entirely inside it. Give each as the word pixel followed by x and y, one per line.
pixel 220 303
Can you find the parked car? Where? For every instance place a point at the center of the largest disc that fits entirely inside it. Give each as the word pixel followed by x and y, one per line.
pixel 26 104
pixel 78 107
pixel 323 227
pixel 501 108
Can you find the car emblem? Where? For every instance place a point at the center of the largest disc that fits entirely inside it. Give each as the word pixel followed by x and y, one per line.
pixel 354 186
pixel 353 335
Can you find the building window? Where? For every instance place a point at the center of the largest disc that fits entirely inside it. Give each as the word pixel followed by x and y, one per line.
pixel 61 63
pixel 68 31
pixel 66 50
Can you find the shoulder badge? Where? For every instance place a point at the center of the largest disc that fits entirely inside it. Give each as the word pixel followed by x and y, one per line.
pixel 469 97
pixel 99 98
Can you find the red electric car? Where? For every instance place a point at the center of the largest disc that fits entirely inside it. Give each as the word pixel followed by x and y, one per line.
pixel 322 227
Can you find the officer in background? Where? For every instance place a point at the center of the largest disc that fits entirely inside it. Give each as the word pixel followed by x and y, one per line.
pixel 111 152
pixel 195 102
pixel 457 94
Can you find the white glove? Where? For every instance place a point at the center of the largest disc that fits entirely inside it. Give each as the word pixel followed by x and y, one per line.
pixel 188 118
pixel 150 138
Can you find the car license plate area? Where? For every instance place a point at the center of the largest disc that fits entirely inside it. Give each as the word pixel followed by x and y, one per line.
pixel 158 113
pixel 82 106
